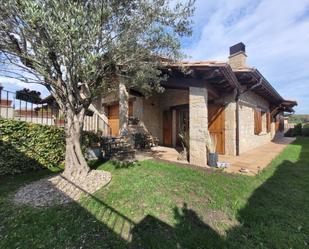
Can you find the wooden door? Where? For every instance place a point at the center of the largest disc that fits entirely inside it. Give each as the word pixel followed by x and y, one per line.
pixel 167 128
pixel 216 125
pixel 113 117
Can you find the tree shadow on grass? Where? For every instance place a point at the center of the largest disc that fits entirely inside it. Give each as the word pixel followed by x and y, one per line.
pixel 275 216
pixel 277 213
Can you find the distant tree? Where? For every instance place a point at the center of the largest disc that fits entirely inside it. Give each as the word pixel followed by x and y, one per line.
pixel 29 95
pixel 70 45
pixel 297 118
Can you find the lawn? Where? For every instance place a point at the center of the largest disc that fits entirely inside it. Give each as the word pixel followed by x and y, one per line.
pixel 167 206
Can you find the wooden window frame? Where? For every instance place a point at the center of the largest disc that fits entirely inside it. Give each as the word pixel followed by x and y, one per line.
pixel 268 122
pixel 257 121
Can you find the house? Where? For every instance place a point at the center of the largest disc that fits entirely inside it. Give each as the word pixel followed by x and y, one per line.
pixel 230 99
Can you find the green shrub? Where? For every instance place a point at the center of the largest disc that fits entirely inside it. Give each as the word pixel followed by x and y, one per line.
pixel 289 133
pixel 297 131
pixel 305 130
pixel 88 139
pixel 26 146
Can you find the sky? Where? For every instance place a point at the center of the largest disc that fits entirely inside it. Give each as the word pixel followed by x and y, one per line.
pixel 276 35
pixel 275 32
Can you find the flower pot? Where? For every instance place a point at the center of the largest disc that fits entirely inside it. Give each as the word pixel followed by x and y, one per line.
pixel 212 159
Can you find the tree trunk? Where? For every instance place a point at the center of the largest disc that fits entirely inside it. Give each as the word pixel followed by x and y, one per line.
pixel 75 162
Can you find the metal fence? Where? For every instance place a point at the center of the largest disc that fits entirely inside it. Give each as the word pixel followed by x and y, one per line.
pixel 12 107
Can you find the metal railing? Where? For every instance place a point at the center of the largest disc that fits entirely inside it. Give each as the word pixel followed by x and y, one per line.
pixel 15 108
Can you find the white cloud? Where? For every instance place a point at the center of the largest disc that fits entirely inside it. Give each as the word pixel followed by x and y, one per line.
pixel 275 32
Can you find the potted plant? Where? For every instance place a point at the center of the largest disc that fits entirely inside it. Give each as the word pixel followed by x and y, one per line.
pixel 211 145
pixel 184 139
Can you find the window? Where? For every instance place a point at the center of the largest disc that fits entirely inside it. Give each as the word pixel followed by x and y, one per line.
pixel 268 120
pixel 257 121
pixel 262 121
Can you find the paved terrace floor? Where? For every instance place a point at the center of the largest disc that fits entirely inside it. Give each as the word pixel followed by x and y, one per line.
pixel 257 159
pixel 252 162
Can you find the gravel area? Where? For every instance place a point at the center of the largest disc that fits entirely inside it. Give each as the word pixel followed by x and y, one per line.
pixel 59 190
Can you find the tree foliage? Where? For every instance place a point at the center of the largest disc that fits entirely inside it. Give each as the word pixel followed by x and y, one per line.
pixel 66 44
pixel 297 118
pixel 81 48
pixel 29 96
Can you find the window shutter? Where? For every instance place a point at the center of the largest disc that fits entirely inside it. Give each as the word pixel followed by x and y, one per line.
pixel 257 121
pixel 277 124
pixel 268 120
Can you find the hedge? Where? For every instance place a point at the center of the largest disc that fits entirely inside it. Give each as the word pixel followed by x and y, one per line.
pixel 297 131
pixel 26 146
pixel 305 130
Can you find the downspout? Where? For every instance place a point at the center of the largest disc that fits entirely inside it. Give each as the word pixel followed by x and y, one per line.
pixel 237 120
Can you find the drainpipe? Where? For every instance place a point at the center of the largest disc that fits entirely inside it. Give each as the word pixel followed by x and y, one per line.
pixel 237 120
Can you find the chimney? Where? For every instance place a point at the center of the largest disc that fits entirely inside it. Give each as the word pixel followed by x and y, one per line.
pixel 237 58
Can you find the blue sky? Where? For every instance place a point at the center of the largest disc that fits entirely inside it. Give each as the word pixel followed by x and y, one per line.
pixel 276 34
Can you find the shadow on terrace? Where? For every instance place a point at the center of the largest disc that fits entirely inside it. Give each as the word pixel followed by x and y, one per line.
pixel 280 205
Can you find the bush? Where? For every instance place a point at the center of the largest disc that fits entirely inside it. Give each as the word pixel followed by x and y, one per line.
pixel 289 133
pixel 297 131
pixel 26 146
pixel 305 130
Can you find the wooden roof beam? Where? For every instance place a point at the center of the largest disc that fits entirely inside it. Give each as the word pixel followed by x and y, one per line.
pixel 185 83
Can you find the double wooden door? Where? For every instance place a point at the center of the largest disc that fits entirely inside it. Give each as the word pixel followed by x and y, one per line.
pixel 216 125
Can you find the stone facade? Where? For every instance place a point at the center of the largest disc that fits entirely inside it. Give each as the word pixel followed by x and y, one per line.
pixel 150 113
pixel 230 129
pixel 150 110
pixel 248 140
pixel 173 97
pixel 198 118
pixel 238 60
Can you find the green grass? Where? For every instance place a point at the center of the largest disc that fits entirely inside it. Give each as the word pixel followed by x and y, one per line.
pixel 167 206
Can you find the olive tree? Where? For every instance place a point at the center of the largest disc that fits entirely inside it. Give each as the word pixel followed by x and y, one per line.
pixel 78 49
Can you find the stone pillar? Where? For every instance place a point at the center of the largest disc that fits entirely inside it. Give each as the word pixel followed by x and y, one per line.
pixel 123 109
pixel 198 117
pixel 230 128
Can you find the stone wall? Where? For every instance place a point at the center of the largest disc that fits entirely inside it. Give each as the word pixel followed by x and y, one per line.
pixel 248 140
pixel 150 115
pixel 173 97
pixel 230 129
pixel 150 110
pixel 238 60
